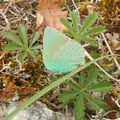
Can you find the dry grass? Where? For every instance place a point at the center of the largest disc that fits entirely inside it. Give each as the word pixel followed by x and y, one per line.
pixel 32 76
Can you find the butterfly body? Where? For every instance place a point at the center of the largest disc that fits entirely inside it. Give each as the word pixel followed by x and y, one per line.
pixel 61 55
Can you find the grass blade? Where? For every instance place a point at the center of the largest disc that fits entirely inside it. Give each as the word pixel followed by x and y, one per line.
pixel 48 88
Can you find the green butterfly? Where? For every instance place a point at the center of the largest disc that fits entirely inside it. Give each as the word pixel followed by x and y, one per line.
pixel 60 54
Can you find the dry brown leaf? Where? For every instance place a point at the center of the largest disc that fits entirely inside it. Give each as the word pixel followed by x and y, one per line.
pixel 9 83
pixel 27 90
pixel 49 14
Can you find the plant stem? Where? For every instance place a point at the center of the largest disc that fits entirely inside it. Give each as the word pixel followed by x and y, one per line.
pixel 50 87
pixel 88 55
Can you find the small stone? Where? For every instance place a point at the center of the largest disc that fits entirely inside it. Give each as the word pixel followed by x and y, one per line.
pixel 37 111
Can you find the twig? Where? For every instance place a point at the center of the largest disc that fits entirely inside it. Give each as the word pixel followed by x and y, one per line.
pixel 116 101
pixel 109 112
pixel 88 55
pixel 6 20
pixel 1 56
pixel 5 66
pixel 116 62
pixel 67 6
pixel 13 13
pixel 85 45
pixel 77 9
pixel 11 2
pixel 20 18
pixel 20 65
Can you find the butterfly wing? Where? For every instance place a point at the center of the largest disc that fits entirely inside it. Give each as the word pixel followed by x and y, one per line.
pixel 62 55
pixel 52 40
pixel 68 57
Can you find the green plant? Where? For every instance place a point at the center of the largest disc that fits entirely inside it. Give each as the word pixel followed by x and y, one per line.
pixel 21 43
pixel 85 32
pixel 80 92
pixel 50 87
pixel 83 87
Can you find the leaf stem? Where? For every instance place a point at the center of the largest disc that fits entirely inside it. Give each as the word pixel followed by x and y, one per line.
pixel 88 55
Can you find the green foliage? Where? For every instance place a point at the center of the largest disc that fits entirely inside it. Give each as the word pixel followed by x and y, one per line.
pixel 79 107
pixel 59 81
pixel 92 82
pixel 79 93
pixel 95 103
pixel 101 86
pixel 21 42
pixel 85 32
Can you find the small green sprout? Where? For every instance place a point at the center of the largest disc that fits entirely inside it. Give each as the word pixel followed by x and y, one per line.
pixel 26 47
pixel 80 93
pixel 85 32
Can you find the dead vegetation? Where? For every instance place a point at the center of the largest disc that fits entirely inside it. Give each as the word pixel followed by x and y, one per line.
pixel 19 80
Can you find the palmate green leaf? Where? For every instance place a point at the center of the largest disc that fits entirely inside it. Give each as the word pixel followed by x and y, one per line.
pixel 22 55
pixel 67 96
pixel 101 86
pixel 102 104
pixel 33 53
pixel 11 46
pixel 23 34
pixel 13 37
pixel 94 54
pixel 79 108
pixel 36 46
pixel 35 37
pixel 92 76
pixel 68 33
pixel 103 76
pixel 90 41
pixel 93 104
pixel 42 92
pixel 96 30
pixel 82 79
pixel 88 22
pixel 67 24
pixel 74 87
pixel 75 22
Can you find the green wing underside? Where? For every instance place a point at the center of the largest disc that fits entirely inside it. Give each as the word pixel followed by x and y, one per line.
pixel 59 54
